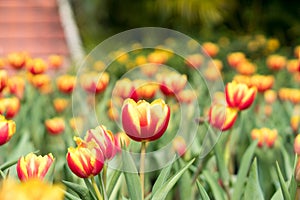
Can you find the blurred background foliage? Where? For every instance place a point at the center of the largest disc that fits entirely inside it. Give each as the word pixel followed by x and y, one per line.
pixel 201 19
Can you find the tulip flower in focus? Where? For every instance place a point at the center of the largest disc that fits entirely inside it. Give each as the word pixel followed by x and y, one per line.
pixel 222 117
pixel 32 166
pixel 7 129
pixel 3 79
pixel 86 159
pixel 143 121
pixel 104 139
pixel 33 189
pixel 36 66
pixel 66 83
pixel 239 95
pixel 55 125
pixel 94 83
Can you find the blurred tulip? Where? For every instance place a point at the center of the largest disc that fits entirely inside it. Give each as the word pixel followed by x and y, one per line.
pixel 18 59
pixel 270 96
pixel 212 74
pixel 261 82
pixel 276 62
pixel 16 86
pixel 3 79
pixel 140 60
pixel 172 83
pixel 143 121
pixel 186 96
pixel 104 139
pixel 86 159
pixel 239 95
pixel 265 136
pixel 76 123
pixel 297 51
pixel 145 89
pixel 256 134
pixel 55 125
pixel 2 62
pixel 194 61
pixel 289 94
pixel 216 63
pixel 295 122
pixel 36 66
pixel 55 61
pixel 40 81
pixel 60 104
pixel 268 110
pixel 179 145
pixel 33 189
pixel 242 79
pixel 292 65
pixel 235 59
pixel 9 107
pixel 7 129
pixel 297 145
pixel 121 138
pixel 32 166
pixel 222 117
pixel 149 70
pixel 66 83
pixel 125 88
pixel 158 57
pixel 210 48
pixel 246 68
pixel 94 83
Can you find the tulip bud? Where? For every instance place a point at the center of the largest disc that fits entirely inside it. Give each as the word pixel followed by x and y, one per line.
pixel 222 117
pixel 36 66
pixel 66 83
pixel 276 62
pixel 7 129
pixel 179 145
pixel 210 48
pixel 17 60
pixel 143 121
pixel 104 139
pixel 256 134
pixel 55 61
pixel 10 107
pixel 239 95
pixel 94 82
pixel 86 159
pixel 16 86
pixel 172 83
pixel 55 125
pixel 60 104
pixel 33 166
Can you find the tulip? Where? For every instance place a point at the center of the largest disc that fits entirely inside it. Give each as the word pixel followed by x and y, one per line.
pixel 10 107
pixel 7 129
pixel 121 139
pixel 60 104
pixel 186 96
pixel 66 83
pixel 261 82
pixel 125 88
pixel 179 145
pixel 292 65
pixel 239 95
pixel 222 117
pixel 246 68
pixel 194 61
pixel 210 48
pixel 94 82
pixel 295 122
pixel 144 89
pixel 18 60
pixel 276 62
pixel 265 136
pixel 256 134
pixel 16 86
pixel 172 83
pixel 104 139
pixel 76 123
pixel 149 70
pixel 270 96
pixel 86 159
pixel 55 61
pixel 158 57
pixel 143 121
pixel 235 59
pixel 36 66
pixel 297 171
pixel 39 81
pixel 55 125
pixel 32 166
pixel 3 79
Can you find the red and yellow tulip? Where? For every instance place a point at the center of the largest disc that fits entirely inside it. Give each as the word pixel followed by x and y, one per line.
pixel 7 129
pixel 55 125
pixel 239 95
pixel 36 66
pixel 32 166
pixel 66 83
pixel 143 121
pixel 94 82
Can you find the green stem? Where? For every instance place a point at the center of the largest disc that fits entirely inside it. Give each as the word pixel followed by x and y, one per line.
pixel 104 175
pixel 142 168
pixel 99 196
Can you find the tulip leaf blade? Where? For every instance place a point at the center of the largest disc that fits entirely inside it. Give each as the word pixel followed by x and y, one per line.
pixel 253 189
pixel 131 177
pixel 112 183
pixel 163 176
pixel 80 190
pixel 214 185
pixel 243 171
pixel 203 193
pixel 70 196
pixel 283 186
pixel 162 192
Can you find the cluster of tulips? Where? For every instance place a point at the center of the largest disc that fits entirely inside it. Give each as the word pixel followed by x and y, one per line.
pixel 58 154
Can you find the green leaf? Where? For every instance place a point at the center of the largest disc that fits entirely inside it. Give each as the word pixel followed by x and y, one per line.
pixel 202 191
pixel 162 192
pixel 112 183
pixel 131 177
pixel 224 174
pixel 8 165
pixel 238 188
pixel 90 188
pixel 293 183
pixel 184 183
pixel 71 196
pixel 253 189
pixel 82 191
pixel 214 186
pixel 284 189
pixel 163 176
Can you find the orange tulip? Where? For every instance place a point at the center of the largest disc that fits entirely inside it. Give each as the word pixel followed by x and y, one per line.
pixel 36 66
pixel 265 136
pixel 194 61
pixel 7 129
pixel 295 122
pixel 40 81
pixel 55 125
pixel 145 89
pixel 66 83
pixel 32 166
pixel 125 88
pixel 186 96
pixel 239 95
pixel 86 159
pixel 55 61
pixel 222 117
pixel 17 60
pixel 10 107
pixel 246 68
pixel 235 59
pixel 16 86
pixel 210 48
pixel 262 82
pixel 3 79
pixel 276 62
pixel 60 104
pixel 143 121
